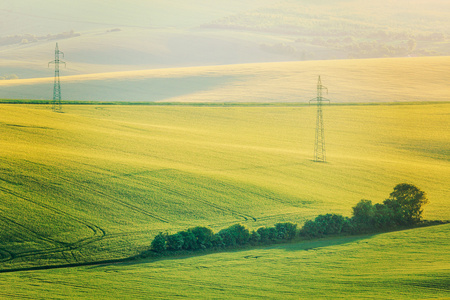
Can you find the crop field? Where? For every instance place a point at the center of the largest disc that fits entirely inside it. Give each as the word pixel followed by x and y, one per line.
pixel 99 181
pixel 411 264
pixel 349 81
pixel 183 114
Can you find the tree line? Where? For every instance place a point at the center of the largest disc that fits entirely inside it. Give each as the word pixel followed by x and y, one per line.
pixel 403 208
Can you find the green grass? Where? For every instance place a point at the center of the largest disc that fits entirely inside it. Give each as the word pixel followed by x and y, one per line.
pixel 98 182
pixel 410 264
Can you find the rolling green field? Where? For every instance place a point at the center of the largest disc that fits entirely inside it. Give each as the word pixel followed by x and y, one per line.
pixel 411 264
pixel 98 182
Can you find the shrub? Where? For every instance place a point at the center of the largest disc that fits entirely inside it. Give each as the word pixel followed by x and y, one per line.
pixel 189 242
pixel 255 238
pixel 203 236
pixel 286 231
pixel 159 243
pixel 403 207
pixel 217 241
pixel 267 234
pixel 363 215
pixel 324 225
pixel 310 229
pixel 332 223
pixel 348 226
pixel 175 242
pixel 383 216
pixel 227 238
pixel 235 235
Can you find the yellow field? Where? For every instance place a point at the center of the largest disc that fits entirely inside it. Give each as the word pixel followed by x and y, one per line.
pixel 98 182
pixel 363 80
pixel 411 264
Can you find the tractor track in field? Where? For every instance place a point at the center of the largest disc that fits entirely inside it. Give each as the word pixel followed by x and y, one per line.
pixel 187 196
pixel 5 255
pixel 64 250
pixel 127 205
pixel 98 232
pixel 130 206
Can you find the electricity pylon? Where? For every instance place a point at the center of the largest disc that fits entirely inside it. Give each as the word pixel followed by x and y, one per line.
pixel 319 145
pixel 56 104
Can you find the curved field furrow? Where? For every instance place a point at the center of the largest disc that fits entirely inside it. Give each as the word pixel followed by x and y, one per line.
pixel 112 199
pixel 6 255
pixel 32 232
pixel 190 197
pixel 98 232
pixel 127 205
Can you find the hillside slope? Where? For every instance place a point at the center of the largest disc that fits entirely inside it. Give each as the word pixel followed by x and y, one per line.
pixel 98 182
pixel 363 80
pixel 412 264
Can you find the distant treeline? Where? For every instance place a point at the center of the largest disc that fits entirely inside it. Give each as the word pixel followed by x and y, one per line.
pixel 402 209
pixel 30 38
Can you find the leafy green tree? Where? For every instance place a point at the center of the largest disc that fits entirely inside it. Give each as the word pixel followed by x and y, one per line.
pixel 255 238
pixel 334 223
pixel 263 233
pixel 241 233
pixel 189 242
pixel 267 234
pixel 310 229
pixel 235 235
pixel 217 241
pixel 383 216
pixel 363 215
pixel 324 225
pixel 227 238
pixel 203 236
pixel 159 243
pixel 286 231
pixel 175 242
pixel 406 202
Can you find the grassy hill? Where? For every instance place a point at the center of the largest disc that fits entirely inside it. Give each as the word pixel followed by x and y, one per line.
pixel 98 182
pixel 412 264
pixel 359 81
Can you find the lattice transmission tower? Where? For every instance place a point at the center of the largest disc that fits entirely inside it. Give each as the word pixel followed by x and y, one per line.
pixel 56 104
pixel 319 145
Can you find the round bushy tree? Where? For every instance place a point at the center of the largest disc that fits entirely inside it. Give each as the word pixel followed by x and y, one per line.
pixel 406 202
pixel 235 235
pixel 363 215
pixel 175 242
pixel 159 243
pixel 286 231
pixel 203 236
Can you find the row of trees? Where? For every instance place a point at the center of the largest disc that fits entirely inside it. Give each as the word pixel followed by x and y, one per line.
pixel 31 38
pixel 202 238
pixel 402 208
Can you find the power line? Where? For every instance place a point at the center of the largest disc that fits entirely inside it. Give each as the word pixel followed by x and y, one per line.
pixel 56 104
pixel 319 145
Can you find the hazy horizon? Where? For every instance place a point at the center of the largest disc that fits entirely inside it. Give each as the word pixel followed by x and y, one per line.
pixel 98 36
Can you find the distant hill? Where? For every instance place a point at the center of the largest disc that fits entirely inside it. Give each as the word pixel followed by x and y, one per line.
pixel 99 36
pixel 357 80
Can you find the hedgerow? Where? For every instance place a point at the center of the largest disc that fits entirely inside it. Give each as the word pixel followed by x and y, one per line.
pixel 402 208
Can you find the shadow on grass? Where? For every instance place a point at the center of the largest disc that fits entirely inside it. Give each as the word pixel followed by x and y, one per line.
pixel 295 245
pixel 317 244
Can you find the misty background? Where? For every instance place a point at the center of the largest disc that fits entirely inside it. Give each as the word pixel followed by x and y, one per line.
pixel 113 36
